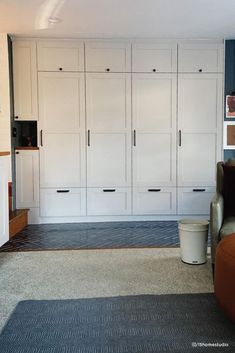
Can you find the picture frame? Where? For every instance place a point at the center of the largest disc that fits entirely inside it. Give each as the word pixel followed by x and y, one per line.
pixel 230 106
pixel 229 135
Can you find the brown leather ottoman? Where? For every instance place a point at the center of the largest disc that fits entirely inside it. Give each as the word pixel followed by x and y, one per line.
pixel 225 275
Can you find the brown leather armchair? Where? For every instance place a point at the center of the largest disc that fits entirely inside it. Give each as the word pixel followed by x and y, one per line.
pixel 220 225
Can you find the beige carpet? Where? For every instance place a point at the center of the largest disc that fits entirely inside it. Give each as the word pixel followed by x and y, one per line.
pixel 96 273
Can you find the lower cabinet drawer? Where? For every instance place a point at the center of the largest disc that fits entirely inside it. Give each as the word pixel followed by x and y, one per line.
pixel 154 200
pixel 195 200
pixel 108 201
pixel 62 202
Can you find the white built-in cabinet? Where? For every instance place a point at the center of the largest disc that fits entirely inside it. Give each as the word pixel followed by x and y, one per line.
pixel 125 128
pixel 199 124
pixel 62 139
pixel 108 119
pixel 25 80
pixel 4 207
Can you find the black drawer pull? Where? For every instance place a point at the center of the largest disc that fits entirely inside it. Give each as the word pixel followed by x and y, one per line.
pixel 108 69
pixel 109 190
pixel 154 190
pixel 199 190
pixel 200 70
pixel 62 191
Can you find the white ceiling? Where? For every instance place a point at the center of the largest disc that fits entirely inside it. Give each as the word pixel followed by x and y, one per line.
pixel 120 18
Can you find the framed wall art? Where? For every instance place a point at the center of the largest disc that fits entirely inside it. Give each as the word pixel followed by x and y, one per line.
pixel 229 135
pixel 230 106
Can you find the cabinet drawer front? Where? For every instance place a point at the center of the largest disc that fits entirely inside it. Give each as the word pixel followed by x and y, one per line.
pixel 201 57
pixel 60 56
pixel 154 200
pixel 108 57
pixel 108 201
pixel 63 202
pixel 195 200
pixel 154 57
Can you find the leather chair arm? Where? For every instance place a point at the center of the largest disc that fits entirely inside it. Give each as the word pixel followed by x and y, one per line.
pixel 216 221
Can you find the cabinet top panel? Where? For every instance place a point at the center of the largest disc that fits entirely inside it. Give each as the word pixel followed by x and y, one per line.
pixel 154 57
pixel 60 55
pixel 200 57
pixel 103 56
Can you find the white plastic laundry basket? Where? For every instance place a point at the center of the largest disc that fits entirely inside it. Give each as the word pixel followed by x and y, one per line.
pixel 193 240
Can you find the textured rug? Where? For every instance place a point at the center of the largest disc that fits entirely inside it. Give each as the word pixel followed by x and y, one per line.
pixel 132 324
pixel 98 235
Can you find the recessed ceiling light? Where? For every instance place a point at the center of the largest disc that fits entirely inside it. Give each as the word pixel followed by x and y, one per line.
pixel 54 20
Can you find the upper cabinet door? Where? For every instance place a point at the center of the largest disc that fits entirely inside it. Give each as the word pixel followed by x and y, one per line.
pixel 104 56
pixel 154 57
pixel 61 102
pixel 25 80
pixel 60 55
pixel 200 57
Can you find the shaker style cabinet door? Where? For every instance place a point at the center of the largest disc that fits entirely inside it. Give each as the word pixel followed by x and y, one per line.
pixel 27 178
pixel 154 57
pixel 154 130
pixel 108 130
pixel 200 57
pixel 106 56
pixel 60 55
pixel 25 80
pixel 62 129
pixel 200 123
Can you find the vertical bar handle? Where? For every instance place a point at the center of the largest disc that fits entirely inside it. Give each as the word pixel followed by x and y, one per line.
pixel 134 138
pixel 180 139
pixel 41 141
pixel 88 138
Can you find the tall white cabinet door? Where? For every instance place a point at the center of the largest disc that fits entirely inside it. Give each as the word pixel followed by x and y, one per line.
pixel 59 55
pixel 200 57
pixel 62 125
pixel 25 80
pixel 108 123
pixel 200 123
pixel 154 124
pixel 154 57
pixel 108 56
pixel 27 178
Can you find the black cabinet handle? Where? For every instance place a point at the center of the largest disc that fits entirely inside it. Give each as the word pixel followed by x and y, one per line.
pixel 134 138
pixel 200 70
pixel 154 70
pixel 17 152
pixel 108 69
pixel 88 138
pixel 109 190
pixel 62 191
pixel 180 142
pixel 41 142
pixel 154 190
pixel 16 117
pixel 60 68
pixel 199 190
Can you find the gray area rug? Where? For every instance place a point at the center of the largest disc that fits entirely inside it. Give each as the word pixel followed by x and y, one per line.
pixel 130 324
